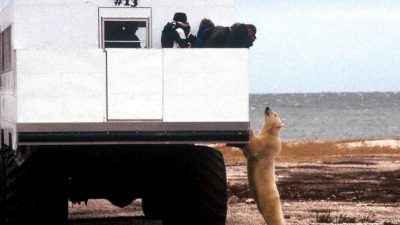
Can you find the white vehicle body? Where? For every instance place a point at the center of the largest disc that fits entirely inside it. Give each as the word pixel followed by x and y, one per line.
pixel 63 86
pixel 88 110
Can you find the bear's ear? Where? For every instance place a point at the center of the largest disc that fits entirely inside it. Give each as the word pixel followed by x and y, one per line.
pixel 251 135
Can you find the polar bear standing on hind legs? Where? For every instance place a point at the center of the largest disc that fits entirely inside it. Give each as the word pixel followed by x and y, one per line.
pixel 261 152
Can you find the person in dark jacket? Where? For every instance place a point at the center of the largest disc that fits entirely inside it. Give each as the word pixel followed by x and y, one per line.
pixel 218 36
pixel 205 28
pixel 174 34
pixel 242 37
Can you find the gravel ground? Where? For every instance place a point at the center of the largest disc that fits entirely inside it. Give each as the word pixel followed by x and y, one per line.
pixel 369 200
pixel 101 212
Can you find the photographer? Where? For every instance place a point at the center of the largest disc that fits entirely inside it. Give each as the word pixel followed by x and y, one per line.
pixel 176 34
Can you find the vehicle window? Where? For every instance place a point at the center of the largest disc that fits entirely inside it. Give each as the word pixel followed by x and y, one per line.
pixel 5 50
pixel 125 34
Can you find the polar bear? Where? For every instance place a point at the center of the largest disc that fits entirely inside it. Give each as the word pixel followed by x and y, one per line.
pixel 261 152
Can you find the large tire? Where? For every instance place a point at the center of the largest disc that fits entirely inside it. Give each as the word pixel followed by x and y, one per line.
pixel 28 191
pixel 3 183
pixel 189 187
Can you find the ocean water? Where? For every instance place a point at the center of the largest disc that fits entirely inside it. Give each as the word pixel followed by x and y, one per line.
pixel 331 116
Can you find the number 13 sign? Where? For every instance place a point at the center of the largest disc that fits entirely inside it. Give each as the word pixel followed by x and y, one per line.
pixel 132 3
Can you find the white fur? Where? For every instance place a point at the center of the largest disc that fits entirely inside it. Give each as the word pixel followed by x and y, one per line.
pixel 261 152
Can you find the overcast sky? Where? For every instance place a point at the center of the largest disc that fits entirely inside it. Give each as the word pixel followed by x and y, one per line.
pixel 323 45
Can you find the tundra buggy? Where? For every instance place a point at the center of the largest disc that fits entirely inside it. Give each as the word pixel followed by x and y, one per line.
pixel 87 113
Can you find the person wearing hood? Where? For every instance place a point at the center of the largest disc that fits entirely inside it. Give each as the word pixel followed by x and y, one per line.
pixel 218 36
pixel 242 37
pixel 205 28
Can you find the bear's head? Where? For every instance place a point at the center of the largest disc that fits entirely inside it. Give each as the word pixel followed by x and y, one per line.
pixel 272 123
